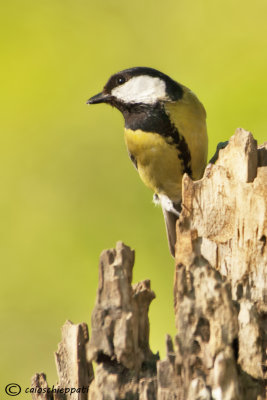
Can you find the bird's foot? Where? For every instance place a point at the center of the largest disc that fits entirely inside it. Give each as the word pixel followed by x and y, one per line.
pixel 156 199
pixel 166 204
pixel 220 146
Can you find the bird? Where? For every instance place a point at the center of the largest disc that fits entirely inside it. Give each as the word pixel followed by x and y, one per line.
pixel 165 133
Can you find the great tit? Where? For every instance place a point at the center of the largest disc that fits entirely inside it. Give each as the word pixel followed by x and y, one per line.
pixel 165 134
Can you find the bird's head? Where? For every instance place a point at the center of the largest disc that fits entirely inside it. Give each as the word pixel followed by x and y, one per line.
pixel 138 86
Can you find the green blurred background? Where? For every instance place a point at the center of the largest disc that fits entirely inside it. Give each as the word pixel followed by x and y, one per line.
pixel 68 189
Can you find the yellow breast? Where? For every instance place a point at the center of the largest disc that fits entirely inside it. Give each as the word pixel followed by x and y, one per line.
pixel 158 164
pixel 156 156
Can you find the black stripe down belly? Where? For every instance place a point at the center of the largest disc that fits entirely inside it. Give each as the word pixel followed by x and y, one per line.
pixel 153 118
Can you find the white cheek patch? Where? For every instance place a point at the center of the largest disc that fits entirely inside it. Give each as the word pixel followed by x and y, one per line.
pixel 141 89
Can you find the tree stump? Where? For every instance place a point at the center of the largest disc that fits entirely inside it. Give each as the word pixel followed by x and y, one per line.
pixel 220 294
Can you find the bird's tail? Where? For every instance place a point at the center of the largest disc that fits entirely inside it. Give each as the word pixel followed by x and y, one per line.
pixel 170 223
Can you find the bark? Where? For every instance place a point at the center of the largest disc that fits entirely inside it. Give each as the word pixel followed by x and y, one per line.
pixel 120 331
pixel 220 283
pixel 220 296
pixel 74 370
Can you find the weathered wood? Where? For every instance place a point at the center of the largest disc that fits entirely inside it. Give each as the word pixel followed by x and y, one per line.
pixel 120 327
pixel 220 284
pixel 75 373
pixel 220 294
pixel 40 387
pixel 126 367
pixel 120 331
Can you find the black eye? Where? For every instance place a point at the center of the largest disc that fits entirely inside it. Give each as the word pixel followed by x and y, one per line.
pixel 120 80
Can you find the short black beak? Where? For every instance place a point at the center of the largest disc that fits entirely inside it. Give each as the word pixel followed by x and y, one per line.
pixel 99 98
